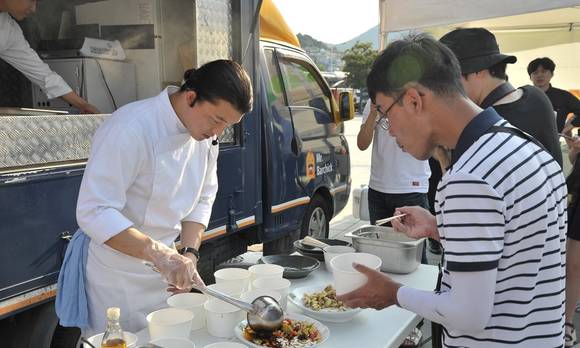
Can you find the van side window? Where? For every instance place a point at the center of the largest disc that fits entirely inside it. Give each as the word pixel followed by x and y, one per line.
pixel 302 87
pixel 309 105
pixel 274 89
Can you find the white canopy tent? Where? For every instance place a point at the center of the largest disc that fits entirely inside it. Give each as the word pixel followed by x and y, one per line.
pixel 525 28
pixel 397 15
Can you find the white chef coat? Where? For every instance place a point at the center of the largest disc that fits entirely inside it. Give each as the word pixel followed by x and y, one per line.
pixel 145 171
pixel 15 50
pixel 392 169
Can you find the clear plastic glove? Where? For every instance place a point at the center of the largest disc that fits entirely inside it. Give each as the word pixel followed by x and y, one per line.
pixel 197 282
pixel 178 270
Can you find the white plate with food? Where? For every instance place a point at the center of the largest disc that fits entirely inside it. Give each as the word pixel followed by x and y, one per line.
pixel 320 302
pixel 297 331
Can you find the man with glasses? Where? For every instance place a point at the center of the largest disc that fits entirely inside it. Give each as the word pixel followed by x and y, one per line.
pixel 151 177
pixel 397 179
pixel 500 209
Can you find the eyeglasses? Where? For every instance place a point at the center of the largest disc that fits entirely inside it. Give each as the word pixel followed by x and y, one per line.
pixel 384 121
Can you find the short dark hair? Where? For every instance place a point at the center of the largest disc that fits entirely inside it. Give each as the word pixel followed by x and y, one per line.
pixel 545 63
pixel 220 79
pixel 498 70
pixel 416 58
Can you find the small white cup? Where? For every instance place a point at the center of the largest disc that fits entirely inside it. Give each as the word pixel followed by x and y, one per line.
pixel 236 276
pixel 334 250
pixel 265 271
pixel 173 342
pixel 346 278
pixel 193 302
pixel 280 285
pixel 251 295
pixel 227 288
pixel 221 318
pixel 169 322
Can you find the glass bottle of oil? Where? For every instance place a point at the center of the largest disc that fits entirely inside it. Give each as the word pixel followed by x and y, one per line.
pixel 113 337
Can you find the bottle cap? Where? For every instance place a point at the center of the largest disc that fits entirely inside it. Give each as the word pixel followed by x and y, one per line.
pixel 113 313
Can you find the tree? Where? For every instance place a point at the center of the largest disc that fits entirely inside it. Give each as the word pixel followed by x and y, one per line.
pixel 357 63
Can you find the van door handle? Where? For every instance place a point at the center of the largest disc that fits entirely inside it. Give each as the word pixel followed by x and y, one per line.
pixel 296 145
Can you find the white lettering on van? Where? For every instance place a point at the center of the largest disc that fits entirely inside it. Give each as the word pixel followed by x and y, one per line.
pixel 327 168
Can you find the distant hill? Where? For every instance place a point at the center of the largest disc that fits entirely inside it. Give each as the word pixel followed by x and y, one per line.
pixel 308 41
pixel 371 35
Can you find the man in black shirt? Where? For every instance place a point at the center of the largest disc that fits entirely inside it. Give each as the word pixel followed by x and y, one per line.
pixel 484 79
pixel 541 71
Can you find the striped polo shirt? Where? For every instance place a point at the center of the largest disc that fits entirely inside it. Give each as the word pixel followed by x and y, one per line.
pixel 502 204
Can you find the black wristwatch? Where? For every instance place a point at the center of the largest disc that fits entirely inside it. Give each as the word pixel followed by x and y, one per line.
pixel 194 251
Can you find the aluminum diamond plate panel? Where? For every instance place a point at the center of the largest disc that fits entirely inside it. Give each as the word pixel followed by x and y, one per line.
pixel 214 30
pixel 31 141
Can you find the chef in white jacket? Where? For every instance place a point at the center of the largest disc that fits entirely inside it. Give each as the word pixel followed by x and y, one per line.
pixel 15 50
pixel 151 177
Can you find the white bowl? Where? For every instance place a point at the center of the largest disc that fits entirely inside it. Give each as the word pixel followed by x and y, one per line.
pixel 193 302
pixel 238 277
pixel 332 251
pixel 265 271
pixel 226 345
pixel 171 342
pixel 280 285
pixel 169 322
pixel 326 314
pixel 324 331
pixel 131 339
pixel 227 288
pixel 250 296
pixel 221 318
pixel 346 278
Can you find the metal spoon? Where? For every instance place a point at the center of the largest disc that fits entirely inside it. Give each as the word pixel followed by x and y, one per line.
pixel 264 313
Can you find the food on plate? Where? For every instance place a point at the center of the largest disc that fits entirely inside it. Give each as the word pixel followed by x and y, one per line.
pixel 325 299
pixel 292 334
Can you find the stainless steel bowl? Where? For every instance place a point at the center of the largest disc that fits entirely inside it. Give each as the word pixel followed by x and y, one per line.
pixel 400 254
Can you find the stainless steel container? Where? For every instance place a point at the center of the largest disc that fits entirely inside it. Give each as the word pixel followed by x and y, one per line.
pixel 400 254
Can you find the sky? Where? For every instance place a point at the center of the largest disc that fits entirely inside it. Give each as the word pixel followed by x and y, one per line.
pixel 330 21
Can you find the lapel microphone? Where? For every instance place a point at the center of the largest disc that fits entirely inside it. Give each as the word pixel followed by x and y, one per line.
pixel 214 142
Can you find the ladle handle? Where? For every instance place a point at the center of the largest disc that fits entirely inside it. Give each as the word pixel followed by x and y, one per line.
pixel 240 304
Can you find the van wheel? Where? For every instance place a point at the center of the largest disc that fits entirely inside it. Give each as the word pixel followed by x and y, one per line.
pixel 315 222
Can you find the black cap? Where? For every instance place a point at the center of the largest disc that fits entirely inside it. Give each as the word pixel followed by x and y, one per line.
pixel 475 48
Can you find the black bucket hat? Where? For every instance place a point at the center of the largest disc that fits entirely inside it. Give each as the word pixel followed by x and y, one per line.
pixel 475 48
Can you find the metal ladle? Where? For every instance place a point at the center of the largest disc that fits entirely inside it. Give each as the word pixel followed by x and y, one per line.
pixel 264 313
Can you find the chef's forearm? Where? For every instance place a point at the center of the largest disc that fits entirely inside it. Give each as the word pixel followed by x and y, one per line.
pixel 191 234
pixel 133 243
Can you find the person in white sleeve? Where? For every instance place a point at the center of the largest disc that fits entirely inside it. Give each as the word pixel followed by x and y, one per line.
pixel 397 179
pixel 15 50
pixel 152 177
pixel 500 209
